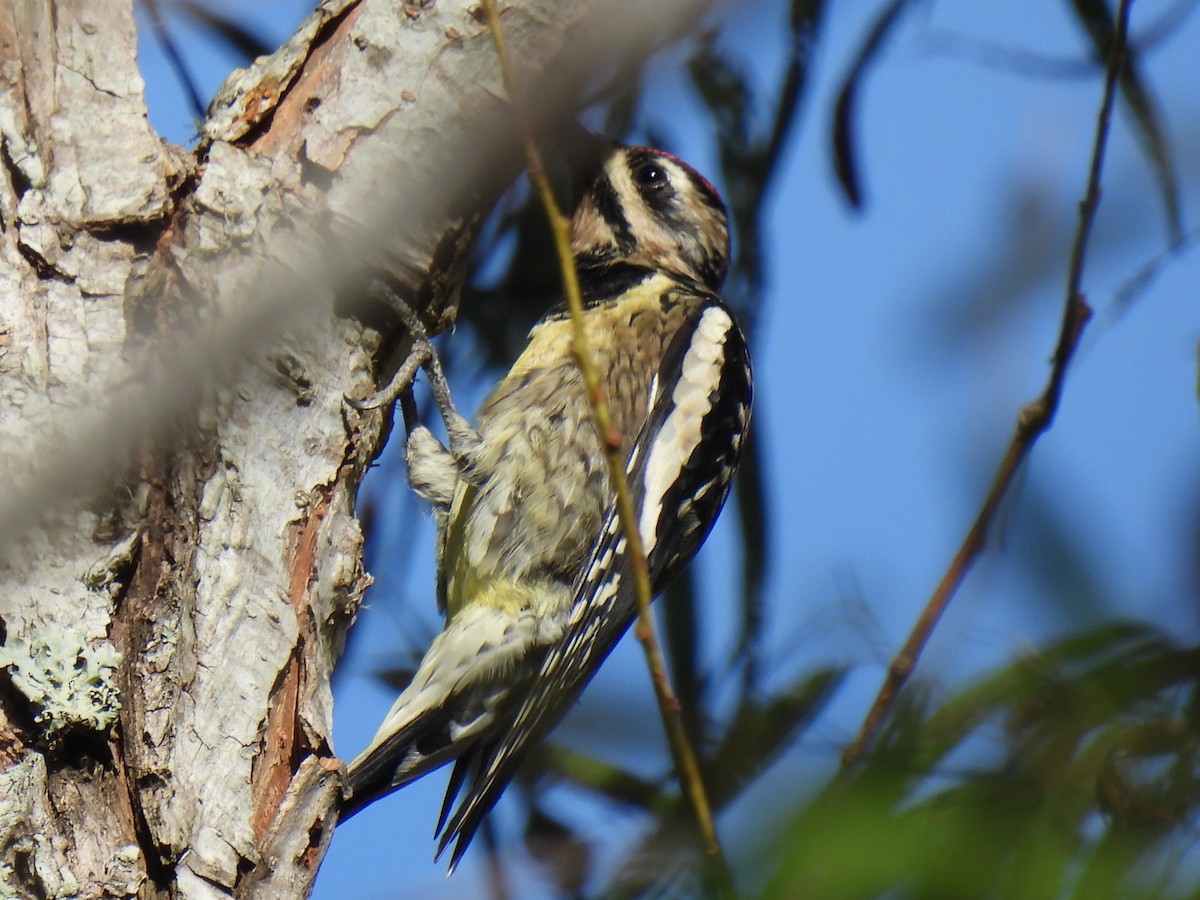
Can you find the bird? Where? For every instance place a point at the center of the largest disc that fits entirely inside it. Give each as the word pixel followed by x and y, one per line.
pixel 534 572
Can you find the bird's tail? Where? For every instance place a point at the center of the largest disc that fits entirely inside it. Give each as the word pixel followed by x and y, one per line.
pixel 456 699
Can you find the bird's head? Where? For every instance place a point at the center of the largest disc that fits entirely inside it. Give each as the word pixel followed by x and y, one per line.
pixel 648 208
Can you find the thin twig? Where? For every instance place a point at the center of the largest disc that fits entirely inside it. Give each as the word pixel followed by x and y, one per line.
pixel 611 438
pixel 1033 421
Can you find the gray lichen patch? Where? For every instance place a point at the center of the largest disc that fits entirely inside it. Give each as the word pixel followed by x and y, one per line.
pixel 69 680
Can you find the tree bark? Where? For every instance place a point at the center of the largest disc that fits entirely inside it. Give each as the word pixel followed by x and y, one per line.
pixel 178 462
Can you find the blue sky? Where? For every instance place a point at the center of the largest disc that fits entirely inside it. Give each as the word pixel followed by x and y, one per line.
pixel 883 413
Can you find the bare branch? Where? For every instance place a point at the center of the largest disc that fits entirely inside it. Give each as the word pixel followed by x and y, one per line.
pixel 1032 422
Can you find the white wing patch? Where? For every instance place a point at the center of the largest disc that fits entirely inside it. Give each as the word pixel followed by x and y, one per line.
pixel 691 402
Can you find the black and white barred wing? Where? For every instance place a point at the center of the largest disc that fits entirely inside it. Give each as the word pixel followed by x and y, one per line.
pixel 680 468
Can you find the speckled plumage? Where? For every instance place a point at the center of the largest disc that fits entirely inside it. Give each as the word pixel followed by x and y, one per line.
pixel 532 567
pixel 538 508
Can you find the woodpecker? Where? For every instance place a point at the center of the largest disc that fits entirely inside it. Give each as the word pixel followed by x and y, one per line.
pixel 534 576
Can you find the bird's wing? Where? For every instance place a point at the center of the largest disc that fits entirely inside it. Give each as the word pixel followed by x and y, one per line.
pixel 679 469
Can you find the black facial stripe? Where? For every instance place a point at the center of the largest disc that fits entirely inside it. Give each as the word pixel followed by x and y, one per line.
pixel 608 204
pixel 613 280
pixel 661 200
pixel 711 270
pixel 601 282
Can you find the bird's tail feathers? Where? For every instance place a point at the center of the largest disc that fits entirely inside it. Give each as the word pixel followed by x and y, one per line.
pixel 448 707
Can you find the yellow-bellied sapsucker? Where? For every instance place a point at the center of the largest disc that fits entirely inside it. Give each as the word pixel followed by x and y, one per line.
pixel 534 576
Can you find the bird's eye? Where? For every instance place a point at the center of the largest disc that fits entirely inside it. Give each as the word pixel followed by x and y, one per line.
pixel 651 175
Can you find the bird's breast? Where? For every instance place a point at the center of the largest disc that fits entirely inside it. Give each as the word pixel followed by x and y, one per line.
pixel 537 508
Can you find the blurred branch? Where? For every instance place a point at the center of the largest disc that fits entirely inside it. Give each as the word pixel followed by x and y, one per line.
pixel 1096 19
pixel 845 163
pixel 224 26
pixel 1166 25
pixel 680 637
pixel 154 17
pixel 681 749
pixel 609 781
pixel 754 739
pixel 1018 60
pixel 1143 277
pixel 1033 421
pixel 751 158
pixel 497 880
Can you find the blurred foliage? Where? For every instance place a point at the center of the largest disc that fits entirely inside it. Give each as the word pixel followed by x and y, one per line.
pixel 1070 772
pixel 1073 772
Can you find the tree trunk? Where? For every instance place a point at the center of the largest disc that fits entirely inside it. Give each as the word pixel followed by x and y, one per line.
pixel 178 463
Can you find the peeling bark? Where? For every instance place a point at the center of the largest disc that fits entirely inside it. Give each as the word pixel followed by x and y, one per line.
pixel 220 554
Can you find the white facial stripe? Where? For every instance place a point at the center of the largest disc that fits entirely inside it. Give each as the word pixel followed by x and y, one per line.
pixel 619 177
pixel 680 433
pixel 643 223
